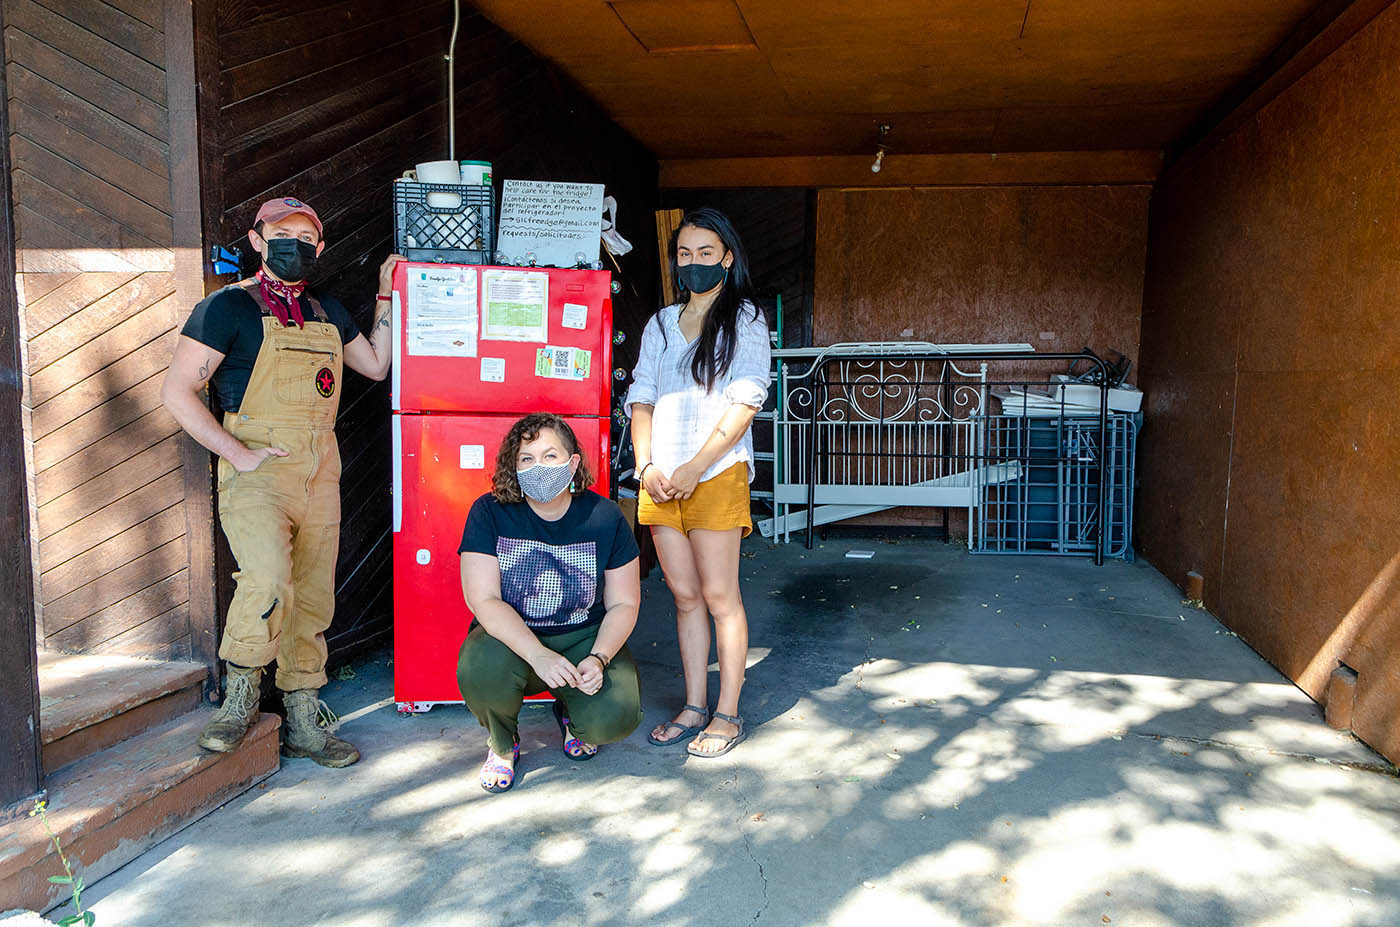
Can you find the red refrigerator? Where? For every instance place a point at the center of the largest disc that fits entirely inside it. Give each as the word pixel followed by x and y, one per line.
pixel 474 349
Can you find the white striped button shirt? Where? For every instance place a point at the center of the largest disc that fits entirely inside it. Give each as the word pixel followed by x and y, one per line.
pixel 685 413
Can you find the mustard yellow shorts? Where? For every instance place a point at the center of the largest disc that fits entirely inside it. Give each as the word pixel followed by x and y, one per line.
pixel 718 504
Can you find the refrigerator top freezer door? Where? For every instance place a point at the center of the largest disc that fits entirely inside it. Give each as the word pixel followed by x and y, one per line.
pixel 502 340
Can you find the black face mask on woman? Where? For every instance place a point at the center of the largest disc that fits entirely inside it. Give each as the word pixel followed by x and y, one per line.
pixel 291 259
pixel 702 278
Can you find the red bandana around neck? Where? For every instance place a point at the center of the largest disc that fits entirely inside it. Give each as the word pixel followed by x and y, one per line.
pixel 282 298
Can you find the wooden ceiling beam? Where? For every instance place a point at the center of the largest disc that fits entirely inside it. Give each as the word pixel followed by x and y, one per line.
pixel 1050 168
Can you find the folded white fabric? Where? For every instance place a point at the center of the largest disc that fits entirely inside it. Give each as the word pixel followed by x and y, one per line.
pixel 617 245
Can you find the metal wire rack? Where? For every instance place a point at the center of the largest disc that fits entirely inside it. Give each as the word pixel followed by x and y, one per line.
pixel 1052 506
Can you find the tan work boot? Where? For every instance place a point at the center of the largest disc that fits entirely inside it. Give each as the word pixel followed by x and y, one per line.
pixel 225 730
pixel 306 734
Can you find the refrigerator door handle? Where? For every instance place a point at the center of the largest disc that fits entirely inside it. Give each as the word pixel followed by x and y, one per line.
pixel 395 352
pixel 396 436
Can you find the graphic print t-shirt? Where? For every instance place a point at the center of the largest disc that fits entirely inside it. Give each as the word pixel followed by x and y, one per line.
pixel 552 571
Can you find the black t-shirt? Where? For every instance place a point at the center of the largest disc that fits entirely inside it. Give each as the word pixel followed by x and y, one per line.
pixel 230 322
pixel 552 571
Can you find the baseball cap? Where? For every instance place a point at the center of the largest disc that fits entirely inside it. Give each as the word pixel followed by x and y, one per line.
pixel 283 206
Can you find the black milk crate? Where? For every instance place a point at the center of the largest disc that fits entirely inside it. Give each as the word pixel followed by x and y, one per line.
pixel 458 234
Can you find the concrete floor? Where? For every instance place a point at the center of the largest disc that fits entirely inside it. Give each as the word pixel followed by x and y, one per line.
pixel 936 739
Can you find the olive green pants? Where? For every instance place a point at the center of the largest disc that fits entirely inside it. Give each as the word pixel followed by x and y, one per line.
pixel 494 682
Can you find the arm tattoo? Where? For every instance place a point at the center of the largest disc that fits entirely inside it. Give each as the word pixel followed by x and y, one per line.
pixel 204 371
pixel 384 322
pixel 722 432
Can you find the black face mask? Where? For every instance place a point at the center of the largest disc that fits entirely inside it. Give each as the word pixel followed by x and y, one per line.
pixel 291 259
pixel 702 278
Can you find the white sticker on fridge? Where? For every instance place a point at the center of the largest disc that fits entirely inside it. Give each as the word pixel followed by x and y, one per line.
pixel 493 370
pixel 473 457
pixel 575 316
pixel 442 312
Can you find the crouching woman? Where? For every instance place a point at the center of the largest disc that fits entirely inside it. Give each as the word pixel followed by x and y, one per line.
pixel 550 570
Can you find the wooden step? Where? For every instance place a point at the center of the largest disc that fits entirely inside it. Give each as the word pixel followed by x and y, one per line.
pixel 110 807
pixel 88 702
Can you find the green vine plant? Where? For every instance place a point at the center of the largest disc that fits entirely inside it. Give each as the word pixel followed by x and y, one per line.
pixel 86 918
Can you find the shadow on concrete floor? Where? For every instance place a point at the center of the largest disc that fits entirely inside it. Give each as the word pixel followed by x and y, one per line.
pixel 935 739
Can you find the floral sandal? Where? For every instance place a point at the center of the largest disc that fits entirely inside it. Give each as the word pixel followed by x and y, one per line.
pixel 496 776
pixel 575 749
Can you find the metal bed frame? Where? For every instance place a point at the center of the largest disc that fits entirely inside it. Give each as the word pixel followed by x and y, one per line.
pixel 867 426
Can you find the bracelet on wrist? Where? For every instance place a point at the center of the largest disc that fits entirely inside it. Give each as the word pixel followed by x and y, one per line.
pixel 643 472
pixel 600 658
pixel 383 299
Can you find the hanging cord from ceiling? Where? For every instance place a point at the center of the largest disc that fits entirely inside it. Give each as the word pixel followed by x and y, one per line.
pixel 452 83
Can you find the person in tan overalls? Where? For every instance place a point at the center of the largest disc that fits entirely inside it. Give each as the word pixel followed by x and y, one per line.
pixel 274 354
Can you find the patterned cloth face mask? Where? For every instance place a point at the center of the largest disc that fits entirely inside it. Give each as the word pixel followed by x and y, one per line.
pixel 543 482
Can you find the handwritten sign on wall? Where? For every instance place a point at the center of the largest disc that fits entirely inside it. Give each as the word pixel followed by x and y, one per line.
pixel 557 221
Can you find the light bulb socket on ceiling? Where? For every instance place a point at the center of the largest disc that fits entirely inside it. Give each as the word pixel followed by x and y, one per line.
pixel 880 149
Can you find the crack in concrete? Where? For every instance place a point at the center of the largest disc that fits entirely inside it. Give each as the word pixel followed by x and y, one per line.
pixel 866 660
pixel 748 844
pixel 1382 767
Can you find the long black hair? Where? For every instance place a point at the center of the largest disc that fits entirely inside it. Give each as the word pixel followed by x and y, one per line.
pixel 719 337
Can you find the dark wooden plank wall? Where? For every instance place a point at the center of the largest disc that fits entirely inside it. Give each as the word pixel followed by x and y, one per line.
pixel 778 228
pixel 329 101
pixel 19 684
pixel 90 137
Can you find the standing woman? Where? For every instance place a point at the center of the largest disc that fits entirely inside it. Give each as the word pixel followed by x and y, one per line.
pixel 702 374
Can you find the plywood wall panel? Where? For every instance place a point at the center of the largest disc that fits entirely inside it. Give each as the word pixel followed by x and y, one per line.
pixel 1306 494
pixel 1184 470
pixel 1058 267
pixel 1270 315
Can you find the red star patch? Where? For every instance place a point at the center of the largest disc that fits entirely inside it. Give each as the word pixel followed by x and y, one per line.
pixel 325 382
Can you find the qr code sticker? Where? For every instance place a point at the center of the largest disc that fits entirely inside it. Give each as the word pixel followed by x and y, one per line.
pixel 563 363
